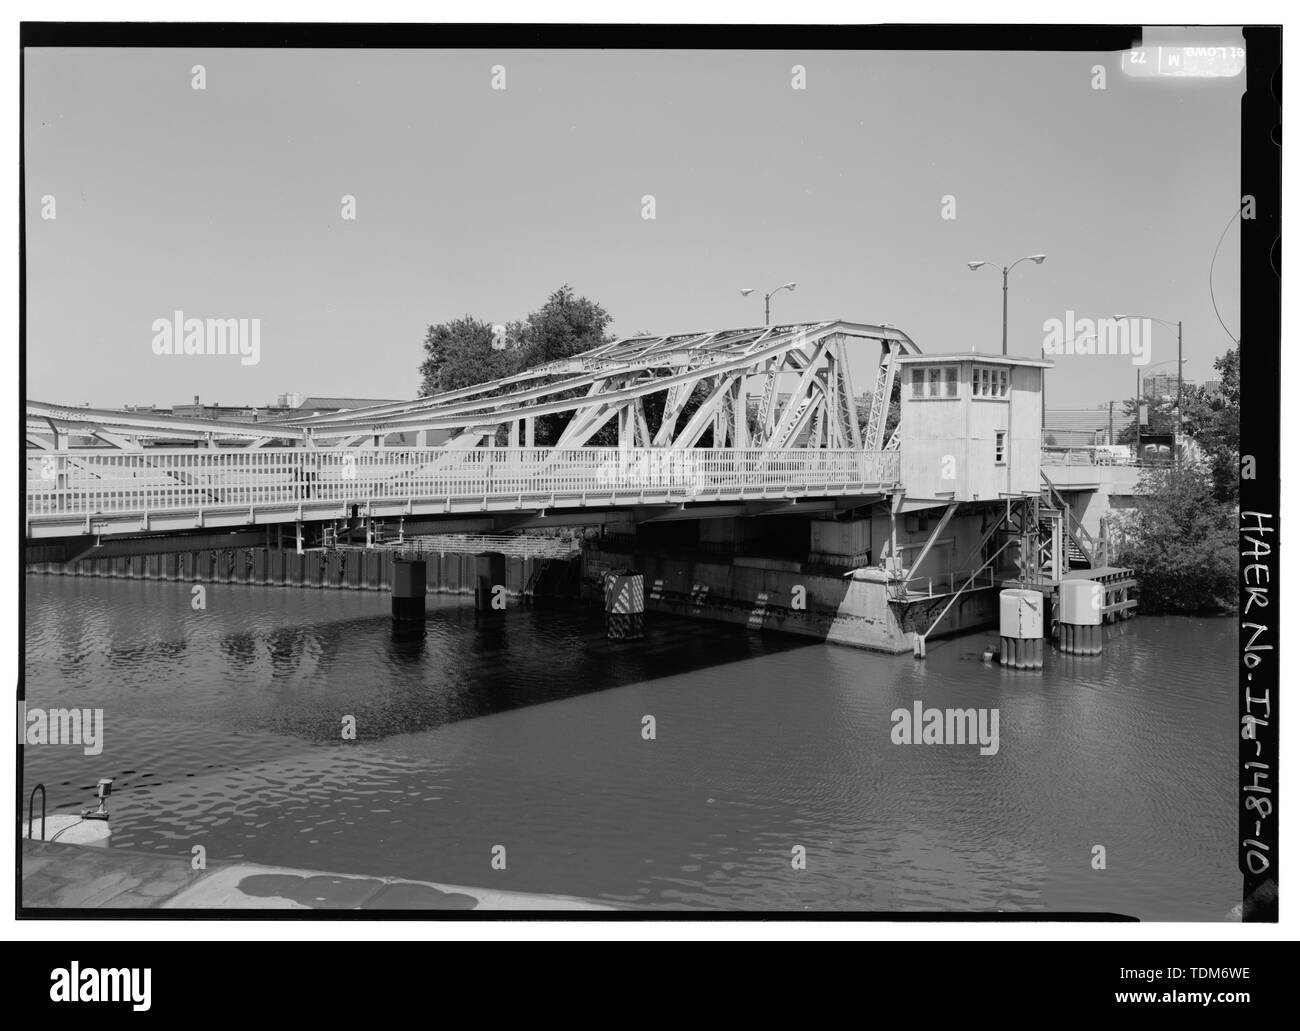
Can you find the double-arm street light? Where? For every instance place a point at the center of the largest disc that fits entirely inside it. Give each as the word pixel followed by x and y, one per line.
pixel 767 300
pixel 1037 259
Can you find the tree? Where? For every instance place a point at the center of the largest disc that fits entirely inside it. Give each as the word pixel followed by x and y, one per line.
pixel 468 351
pixel 565 325
pixel 1211 420
pixel 1218 427
pixel 460 354
pixel 1180 542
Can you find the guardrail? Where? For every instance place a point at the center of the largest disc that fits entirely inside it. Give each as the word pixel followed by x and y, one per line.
pixel 152 481
pixel 1101 456
pixel 921 587
pixel 1084 456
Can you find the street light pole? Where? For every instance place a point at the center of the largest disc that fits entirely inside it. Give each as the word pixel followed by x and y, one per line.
pixel 767 299
pixel 1005 273
pixel 1037 259
pixel 1137 418
pixel 1178 399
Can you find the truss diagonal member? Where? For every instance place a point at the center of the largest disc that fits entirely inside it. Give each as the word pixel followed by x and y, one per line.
pixel 704 415
pixel 882 393
pixel 797 409
pixel 665 353
pixel 846 408
pixel 458 415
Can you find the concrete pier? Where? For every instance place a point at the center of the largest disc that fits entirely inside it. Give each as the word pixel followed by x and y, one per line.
pixel 489 575
pixel 774 594
pixel 624 605
pixel 58 876
pixel 409 588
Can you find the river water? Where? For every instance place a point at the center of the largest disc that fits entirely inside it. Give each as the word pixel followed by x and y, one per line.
pixel 223 728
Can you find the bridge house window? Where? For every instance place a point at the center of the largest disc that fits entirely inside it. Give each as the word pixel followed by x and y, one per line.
pixel 1000 447
pixel 991 382
pixel 934 381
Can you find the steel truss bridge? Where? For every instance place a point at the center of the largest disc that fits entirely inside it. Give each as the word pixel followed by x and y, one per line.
pixel 774 420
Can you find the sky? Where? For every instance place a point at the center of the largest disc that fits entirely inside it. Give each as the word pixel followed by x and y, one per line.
pixel 227 202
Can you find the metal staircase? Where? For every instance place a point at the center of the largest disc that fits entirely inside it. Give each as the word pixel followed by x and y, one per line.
pixel 1078 547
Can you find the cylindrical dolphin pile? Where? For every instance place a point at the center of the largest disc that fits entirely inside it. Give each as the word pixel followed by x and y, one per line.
pixel 1021 627
pixel 1080 623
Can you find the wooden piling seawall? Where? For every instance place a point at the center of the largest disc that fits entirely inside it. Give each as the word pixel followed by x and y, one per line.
pixel 350 569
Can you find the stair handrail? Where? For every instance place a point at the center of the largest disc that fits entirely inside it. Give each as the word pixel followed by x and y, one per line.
pixel 992 558
pixel 31 802
pixel 1071 523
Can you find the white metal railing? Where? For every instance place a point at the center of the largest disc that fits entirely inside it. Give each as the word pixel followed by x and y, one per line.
pixel 1100 455
pixel 104 482
pixel 942 584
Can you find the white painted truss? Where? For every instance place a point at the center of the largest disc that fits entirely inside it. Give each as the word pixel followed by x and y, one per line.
pixel 771 389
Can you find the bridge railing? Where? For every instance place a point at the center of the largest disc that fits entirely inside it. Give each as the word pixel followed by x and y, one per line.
pixel 1088 455
pixel 173 479
pixel 1102 455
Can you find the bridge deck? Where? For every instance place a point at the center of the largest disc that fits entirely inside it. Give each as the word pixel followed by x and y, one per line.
pixel 74 492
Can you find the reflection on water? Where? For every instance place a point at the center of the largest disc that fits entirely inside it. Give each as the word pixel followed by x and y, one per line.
pixel 224 728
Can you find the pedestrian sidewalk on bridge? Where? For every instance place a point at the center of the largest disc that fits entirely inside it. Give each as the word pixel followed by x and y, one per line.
pixel 58 876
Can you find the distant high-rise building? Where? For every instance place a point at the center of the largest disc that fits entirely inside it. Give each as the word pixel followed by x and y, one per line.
pixel 1160 384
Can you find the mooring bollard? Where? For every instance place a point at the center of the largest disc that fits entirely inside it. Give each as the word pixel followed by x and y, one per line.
pixel 408 589
pixel 1081 632
pixel 624 605
pixel 1020 624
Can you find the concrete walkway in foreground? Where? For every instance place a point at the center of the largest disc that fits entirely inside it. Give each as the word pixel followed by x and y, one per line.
pixel 59 876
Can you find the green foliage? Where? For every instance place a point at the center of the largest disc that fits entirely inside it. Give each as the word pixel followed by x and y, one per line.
pixel 1181 542
pixel 461 354
pixel 1211 420
pixel 565 325
pixel 862 410
pixel 654 411
pixel 1215 423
